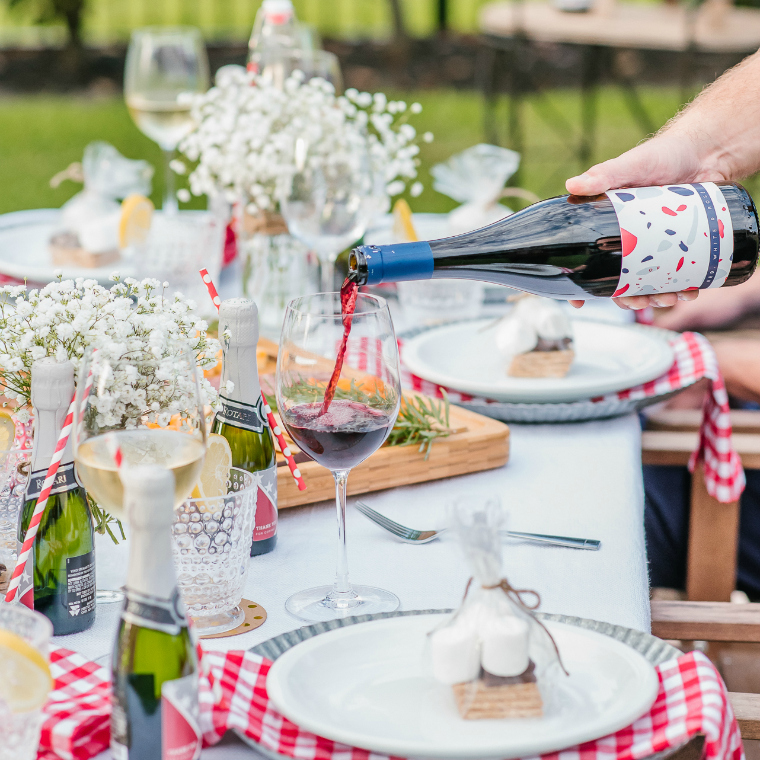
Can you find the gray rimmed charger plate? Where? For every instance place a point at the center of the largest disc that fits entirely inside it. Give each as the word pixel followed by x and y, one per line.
pixel 552 412
pixel 651 648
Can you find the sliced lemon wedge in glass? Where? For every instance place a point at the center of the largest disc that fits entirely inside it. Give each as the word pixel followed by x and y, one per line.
pixel 136 216
pixel 25 679
pixel 7 431
pixel 216 469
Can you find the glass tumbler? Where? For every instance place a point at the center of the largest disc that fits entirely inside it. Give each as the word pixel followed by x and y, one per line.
pixel 177 247
pixel 212 539
pixel 20 731
pixel 14 473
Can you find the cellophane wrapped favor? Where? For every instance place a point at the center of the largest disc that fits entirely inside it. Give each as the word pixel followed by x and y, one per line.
pixel 498 658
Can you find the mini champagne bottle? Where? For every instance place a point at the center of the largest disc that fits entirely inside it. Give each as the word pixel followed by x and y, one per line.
pixel 241 418
pixel 63 558
pixel 634 241
pixel 154 707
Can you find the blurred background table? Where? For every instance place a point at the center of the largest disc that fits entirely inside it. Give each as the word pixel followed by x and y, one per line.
pixel 605 35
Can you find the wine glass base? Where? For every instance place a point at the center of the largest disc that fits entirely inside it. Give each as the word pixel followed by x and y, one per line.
pixel 322 603
pixel 108 596
pixel 219 623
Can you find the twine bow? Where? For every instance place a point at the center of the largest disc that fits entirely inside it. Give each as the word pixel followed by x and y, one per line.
pixel 516 596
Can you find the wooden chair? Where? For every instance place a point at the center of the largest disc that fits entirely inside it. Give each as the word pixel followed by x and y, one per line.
pixel 669 438
pixel 715 622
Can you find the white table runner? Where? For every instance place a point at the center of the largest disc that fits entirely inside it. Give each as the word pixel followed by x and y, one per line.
pixel 582 480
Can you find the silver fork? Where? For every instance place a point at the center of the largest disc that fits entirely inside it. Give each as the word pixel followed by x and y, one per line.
pixel 411 536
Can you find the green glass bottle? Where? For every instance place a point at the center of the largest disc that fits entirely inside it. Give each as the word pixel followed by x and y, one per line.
pixel 154 707
pixel 63 558
pixel 241 419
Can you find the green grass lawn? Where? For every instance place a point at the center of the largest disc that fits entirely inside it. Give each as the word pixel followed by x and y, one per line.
pixel 42 134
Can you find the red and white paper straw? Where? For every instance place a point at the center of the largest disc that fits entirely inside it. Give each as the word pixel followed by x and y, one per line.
pixel 276 429
pixel 39 509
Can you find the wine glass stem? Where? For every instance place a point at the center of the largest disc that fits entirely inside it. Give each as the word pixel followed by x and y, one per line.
pixel 170 206
pixel 342 585
pixel 327 269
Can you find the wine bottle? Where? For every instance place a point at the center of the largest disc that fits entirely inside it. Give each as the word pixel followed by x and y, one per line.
pixel 63 557
pixel 241 418
pixel 154 707
pixel 634 241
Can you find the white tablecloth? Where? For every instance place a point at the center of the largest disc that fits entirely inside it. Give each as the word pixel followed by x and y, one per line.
pixel 580 480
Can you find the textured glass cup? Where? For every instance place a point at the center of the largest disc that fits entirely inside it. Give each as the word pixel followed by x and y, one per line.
pixel 14 473
pixel 20 732
pixel 212 543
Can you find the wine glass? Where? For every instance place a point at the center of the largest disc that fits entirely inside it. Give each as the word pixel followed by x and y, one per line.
pixel 149 408
pixel 356 424
pixel 276 65
pixel 328 203
pixel 164 64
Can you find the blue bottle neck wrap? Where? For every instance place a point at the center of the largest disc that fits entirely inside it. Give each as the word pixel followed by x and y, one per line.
pixel 398 263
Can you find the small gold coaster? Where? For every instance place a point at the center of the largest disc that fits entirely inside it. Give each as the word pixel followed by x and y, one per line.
pixel 255 616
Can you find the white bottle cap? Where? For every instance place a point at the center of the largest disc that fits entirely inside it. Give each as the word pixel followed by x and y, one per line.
pixel 149 497
pixel 52 384
pixel 240 317
pixel 278 9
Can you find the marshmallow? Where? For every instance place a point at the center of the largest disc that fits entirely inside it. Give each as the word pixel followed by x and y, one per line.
pixel 551 322
pixel 513 336
pixel 456 654
pixel 101 233
pixel 504 646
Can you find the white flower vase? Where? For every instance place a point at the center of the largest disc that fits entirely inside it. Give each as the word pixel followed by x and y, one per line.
pixel 276 267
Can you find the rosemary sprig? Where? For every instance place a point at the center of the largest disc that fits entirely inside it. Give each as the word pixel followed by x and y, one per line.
pixel 420 422
pixel 102 521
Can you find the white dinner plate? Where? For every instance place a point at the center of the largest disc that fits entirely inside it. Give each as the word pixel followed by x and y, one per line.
pixel 368 686
pixel 24 252
pixel 608 358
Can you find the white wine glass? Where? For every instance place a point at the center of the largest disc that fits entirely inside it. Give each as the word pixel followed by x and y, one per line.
pixel 328 203
pixel 148 407
pixel 163 65
pixel 356 423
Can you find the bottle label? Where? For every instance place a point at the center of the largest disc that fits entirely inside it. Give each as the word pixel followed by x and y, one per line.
pixel 676 237
pixel 80 584
pixel 180 725
pixel 65 480
pixel 245 416
pixel 166 615
pixel 266 504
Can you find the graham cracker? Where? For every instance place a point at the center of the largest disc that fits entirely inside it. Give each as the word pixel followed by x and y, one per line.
pixel 542 363
pixel 76 256
pixel 479 702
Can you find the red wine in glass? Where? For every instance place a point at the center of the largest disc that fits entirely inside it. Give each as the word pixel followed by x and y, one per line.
pixel 340 438
pixel 348 293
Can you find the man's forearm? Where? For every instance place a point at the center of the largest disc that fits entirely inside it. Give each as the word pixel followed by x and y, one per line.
pixel 723 123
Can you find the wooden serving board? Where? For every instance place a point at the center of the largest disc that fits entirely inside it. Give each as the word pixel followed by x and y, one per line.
pixel 483 444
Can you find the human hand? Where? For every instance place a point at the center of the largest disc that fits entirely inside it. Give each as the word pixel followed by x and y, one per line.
pixel 667 158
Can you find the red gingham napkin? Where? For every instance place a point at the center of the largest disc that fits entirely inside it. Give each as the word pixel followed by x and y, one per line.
pixel 692 699
pixel 76 726
pixel 694 359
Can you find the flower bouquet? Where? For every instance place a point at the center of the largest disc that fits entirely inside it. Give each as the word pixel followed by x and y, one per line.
pixel 131 319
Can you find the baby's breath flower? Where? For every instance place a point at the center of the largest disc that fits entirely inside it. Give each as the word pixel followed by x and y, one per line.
pixel 246 136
